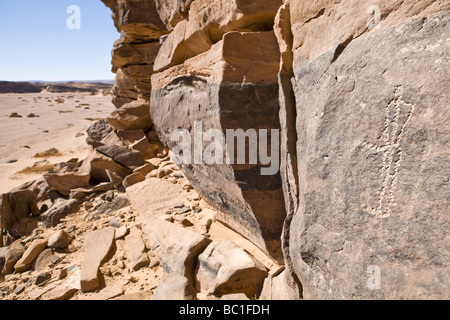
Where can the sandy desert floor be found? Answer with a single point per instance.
(43, 121)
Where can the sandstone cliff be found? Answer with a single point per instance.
(358, 209)
(360, 93)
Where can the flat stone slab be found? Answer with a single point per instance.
(153, 197)
(136, 249)
(97, 245)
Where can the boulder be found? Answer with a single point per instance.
(108, 293)
(43, 260)
(121, 232)
(176, 247)
(232, 86)
(101, 187)
(3, 254)
(59, 210)
(131, 116)
(174, 286)
(14, 253)
(64, 183)
(144, 147)
(128, 158)
(33, 251)
(224, 268)
(59, 240)
(133, 179)
(97, 245)
(98, 166)
(16, 209)
(234, 297)
(136, 250)
(61, 292)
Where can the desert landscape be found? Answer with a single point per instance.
(33, 123)
(352, 100)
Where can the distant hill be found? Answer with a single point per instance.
(18, 87)
(40, 86)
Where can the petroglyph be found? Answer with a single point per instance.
(398, 114)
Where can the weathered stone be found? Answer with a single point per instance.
(108, 293)
(145, 169)
(130, 136)
(152, 197)
(141, 295)
(101, 187)
(371, 147)
(19, 289)
(61, 292)
(24, 227)
(99, 130)
(59, 210)
(33, 251)
(176, 248)
(14, 253)
(207, 23)
(276, 287)
(136, 249)
(97, 246)
(42, 278)
(139, 20)
(234, 297)
(144, 147)
(3, 254)
(124, 89)
(126, 54)
(133, 179)
(132, 116)
(98, 166)
(225, 268)
(64, 183)
(129, 158)
(114, 223)
(119, 202)
(242, 67)
(121, 232)
(59, 240)
(174, 286)
(43, 260)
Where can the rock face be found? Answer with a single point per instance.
(359, 92)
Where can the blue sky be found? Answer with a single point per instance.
(37, 45)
